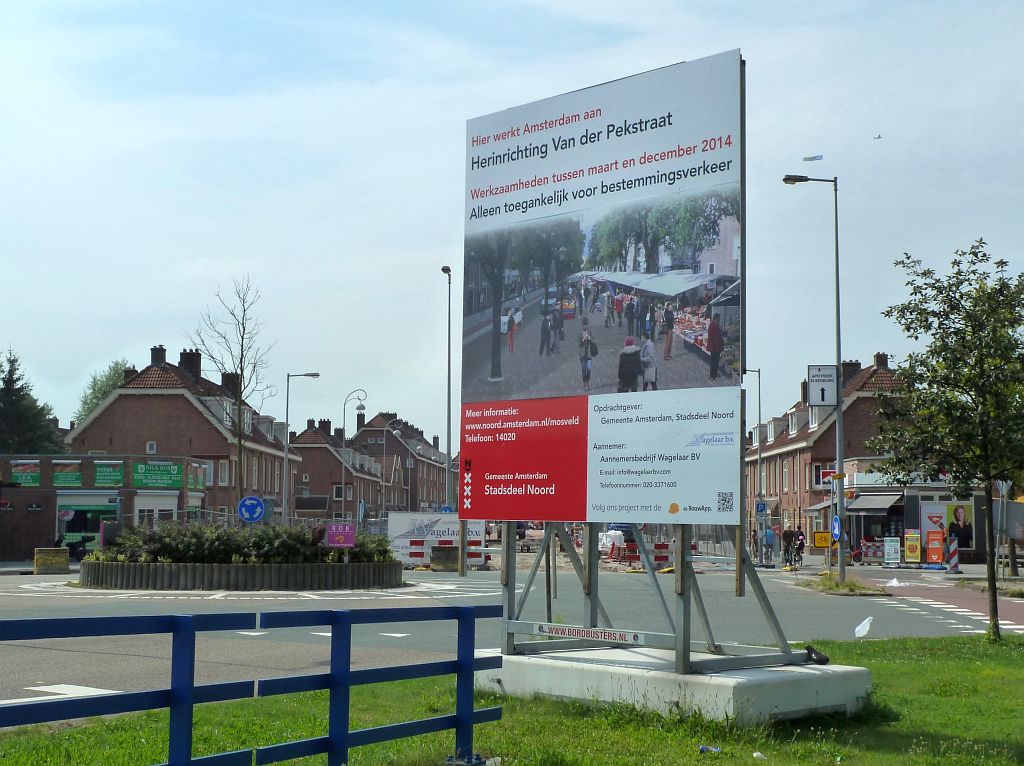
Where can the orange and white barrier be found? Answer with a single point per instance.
(954, 555)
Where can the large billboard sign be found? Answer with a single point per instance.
(602, 320)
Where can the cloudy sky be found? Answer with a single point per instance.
(153, 151)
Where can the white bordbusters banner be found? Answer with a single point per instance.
(412, 535)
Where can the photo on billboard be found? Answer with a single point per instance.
(603, 261)
(955, 519)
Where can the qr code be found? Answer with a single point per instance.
(725, 502)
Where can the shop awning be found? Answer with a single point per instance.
(873, 504)
(819, 506)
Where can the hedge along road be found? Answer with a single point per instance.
(135, 663)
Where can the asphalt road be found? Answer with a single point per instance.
(923, 604)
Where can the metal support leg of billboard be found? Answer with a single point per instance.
(688, 599)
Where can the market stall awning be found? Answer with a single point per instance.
(667, 283)
(873, 504)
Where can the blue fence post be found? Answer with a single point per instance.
(464, 684)
(340, 691)
(183, 662)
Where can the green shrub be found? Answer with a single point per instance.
(213, 544)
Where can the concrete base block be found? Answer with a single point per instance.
(52, 561)
(644, 678)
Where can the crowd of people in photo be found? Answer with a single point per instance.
(650, 328)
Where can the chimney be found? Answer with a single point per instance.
(54, 421)
(158, 355)
(291, 436)
(437, 442)
(310, 424)
(803, 391)
(129, 373)
(882, 361)
(71, 426)
(324, 426)
(229, 381)
(339, 434)
(360, 420)
(190, 361)
(849, 370)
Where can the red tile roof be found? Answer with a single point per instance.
(155, 376)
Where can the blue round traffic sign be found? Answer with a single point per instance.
(837, 531)
(251, 509)
(447, 509)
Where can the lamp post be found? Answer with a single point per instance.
(760, 493)
(839, 476)
(360, 395)
(384, 464)
(463, 525)
(288, 435)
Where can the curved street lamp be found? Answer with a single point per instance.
(360, 395)
(384, 461)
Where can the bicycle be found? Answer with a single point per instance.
(798, 557)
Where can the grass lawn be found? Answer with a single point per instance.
(936, 701)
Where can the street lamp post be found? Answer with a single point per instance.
(360, 395)
(760, 493)
(463, 525)
(288, 435)
(839, 477)
(384, 464)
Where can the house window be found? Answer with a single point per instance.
(277, 477)
(150, 448)
(305, 477)
(209, 473)
(792, 423)
(255, 472)
(348, 492)
(226, 417)
(339, 491)
(785, 475)
(224, 477)
(711, 268)
(247, 422)
(818, 468)
(812, 417)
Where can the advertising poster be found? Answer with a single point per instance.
(109, 474)
(67, 473)
(602, 302)
(156, 476)
(25, 472)
(955, 519)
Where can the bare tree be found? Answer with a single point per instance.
(229, 336)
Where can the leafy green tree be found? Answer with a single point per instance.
(612, 240)
(959, 408)
(24, 422)
(100, 385)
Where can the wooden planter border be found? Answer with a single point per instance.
(242, 577)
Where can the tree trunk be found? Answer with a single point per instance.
(496, 334)
(990, 566)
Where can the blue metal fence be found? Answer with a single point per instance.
(184, 694)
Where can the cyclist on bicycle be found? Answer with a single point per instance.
(788, 539)
(801, 540)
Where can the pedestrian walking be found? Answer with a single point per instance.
(587, 349)
(649, 359)
(715, 344)
(609, 309)
(630, 367)
(669, 324)
(630, 312)
(545, 335)
(557, 327)
(619, 300)
(510, 331)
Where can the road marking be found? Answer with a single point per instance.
(395, 635)
(252, 632)
(318, 633)
(59, 691)
(216, 596)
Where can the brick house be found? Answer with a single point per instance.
(798, 449)
(336, 481)
(411, 459)
(167, 409)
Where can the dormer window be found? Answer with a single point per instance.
(247, 421)
(771, 430)
(792, 422)
(812, 421)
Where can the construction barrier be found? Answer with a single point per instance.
(954, 555)
(872, 552)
